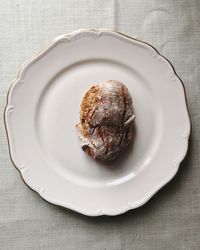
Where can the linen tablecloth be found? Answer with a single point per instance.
(171, 219)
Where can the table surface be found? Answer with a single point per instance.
(171, 219)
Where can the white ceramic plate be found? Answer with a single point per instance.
(43, 108)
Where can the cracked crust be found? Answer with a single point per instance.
(106, 120)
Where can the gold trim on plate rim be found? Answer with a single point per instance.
(35, 56)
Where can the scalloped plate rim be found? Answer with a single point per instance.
(99, 211)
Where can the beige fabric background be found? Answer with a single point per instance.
(171, 219)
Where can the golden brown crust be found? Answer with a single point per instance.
(106, 120)
(88, 105)
(89, 102)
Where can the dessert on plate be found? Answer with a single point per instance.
(106, 120)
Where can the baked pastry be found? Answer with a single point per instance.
(106, 120)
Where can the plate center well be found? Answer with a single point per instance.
(57, 114)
